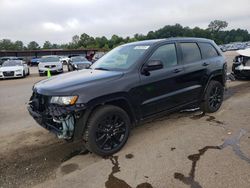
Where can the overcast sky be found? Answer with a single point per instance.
(58, 20)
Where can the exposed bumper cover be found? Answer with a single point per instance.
(54, 118)
(42, 121)
(241, 71)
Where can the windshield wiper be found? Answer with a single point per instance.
(101, 68)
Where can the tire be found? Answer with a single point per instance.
(107, 130)
(41, 74)
(24, 75)
(28, 72)
(213, 97)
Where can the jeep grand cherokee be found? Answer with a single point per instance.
(131, 83)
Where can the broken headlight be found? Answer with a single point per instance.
(67, 100)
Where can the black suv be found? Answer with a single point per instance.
(131, 83)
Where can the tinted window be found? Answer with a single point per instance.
(191, 52)
(207, 50)
(166, 54)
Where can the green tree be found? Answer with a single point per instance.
(217, 25)
(55, 46)
(86, 40)
(33, 45)
(6, 44)
(18, 45)
(47, 45)
(75, 39)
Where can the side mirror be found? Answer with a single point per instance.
(151, 66)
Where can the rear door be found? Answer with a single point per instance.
(195, 70)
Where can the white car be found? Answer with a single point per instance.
(64, 59)
(51, 63)
(14, 69)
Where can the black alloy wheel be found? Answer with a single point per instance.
(107, 130)
(110, 132)
(213, 97)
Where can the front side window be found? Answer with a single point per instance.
(190, 52)
(207, 50)
(166, 54)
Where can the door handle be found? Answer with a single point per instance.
(177, 70)
(205, 64)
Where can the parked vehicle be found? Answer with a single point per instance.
(34, 61)
(51, 63)
(64, 60)
(97, 56)
(241, 65)
(14, 69)
(3, 59)
(78, 63)
(130, 84)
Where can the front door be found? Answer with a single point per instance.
(161, 89)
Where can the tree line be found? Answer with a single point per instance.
(215, 31)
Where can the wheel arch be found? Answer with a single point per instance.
(119, 99)
(217, 76)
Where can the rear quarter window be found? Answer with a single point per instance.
(190, 52)
(208, 50)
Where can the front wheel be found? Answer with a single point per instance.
(107, 130)
(213, 97)
(24, 75)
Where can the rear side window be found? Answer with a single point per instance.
(166, 54)
(207, 50)
(191, 52)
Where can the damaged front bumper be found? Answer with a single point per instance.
(60, 120)
(241, 71)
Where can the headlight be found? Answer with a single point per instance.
(19, 70)
(75, 65)
(69, 100)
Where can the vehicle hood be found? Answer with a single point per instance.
(72, 82)
(81, 62)
(50, 63)
(245, 52)
(12, 68)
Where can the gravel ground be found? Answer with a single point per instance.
(184, 149)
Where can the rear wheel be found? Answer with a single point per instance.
(213, 97)
(107, 130)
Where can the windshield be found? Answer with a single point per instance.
(49, 59)
(12, 63)
(120, 58)
(78, 58)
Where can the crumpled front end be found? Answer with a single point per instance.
(241, 66)
(60, 120)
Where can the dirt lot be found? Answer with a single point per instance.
(185, 149)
